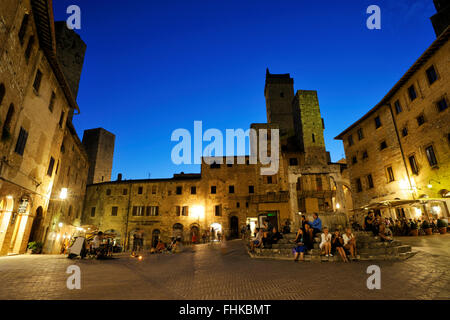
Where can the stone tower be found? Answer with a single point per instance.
(309, 126)
(279, 93)
(441, 19)
(70, 50)
(99, 145)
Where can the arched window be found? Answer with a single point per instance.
(2, 92)
(7, 126)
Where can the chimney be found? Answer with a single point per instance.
(119, 177)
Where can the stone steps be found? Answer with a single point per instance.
(369, 248)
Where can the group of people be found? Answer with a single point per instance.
(403, 226)
(380, 227)
(161, 247)
(343, 244)
(329, 244)
(265, 236)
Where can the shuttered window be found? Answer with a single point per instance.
(21, 141)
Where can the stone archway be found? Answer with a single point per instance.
(156, 233)
(6, 208)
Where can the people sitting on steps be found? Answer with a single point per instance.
(307, 238)
(350, 242)
(337, 245)
(325, 243)
(273, 237)
(369, 221)
(316, 225)
(257, 243)
(385, 233)
(300, 247)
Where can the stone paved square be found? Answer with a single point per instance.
(205, 272)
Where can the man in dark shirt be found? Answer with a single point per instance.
(368, 221)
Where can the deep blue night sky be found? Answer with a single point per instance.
(154, 66)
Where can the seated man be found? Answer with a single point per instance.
(258, 240)
(316, 225)
(369, 221)
(274, 236)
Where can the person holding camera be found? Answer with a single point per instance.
(337, 244)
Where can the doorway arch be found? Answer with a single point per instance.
(155, 237)
(36, 226)
(177, 230)
(234, 227)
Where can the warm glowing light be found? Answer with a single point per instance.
(403, 184)
(63, 194)
(430, 186)
(57, 237)
(60, 224)
(198, 212)
(216, 226)
(418, 212)
(140, 257)
(9, 197)
(338, 205)
(436, 209)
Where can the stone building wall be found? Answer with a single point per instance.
(409, 126)
(26, 172)
(64, 215)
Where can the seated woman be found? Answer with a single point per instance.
(160, 246)
(325, 243)
(307, 238)
(258, 240)
(337, 244)
(300, 246)
(350, 242)
(384, 233)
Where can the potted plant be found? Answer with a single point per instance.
(414, 230)
(427, 228)
(442, 226)
(35, 247)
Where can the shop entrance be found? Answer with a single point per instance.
(271, 217)
(234, 227)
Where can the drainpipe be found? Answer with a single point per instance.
(401, 148)
(125, 244)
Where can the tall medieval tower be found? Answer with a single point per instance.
(279, 93)
(99, 145)
(309, 126)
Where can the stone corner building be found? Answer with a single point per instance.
(227, 196)
(399, 151)
(40, 152)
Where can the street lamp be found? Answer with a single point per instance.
(63, 194)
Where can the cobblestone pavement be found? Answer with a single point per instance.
(205, 272)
